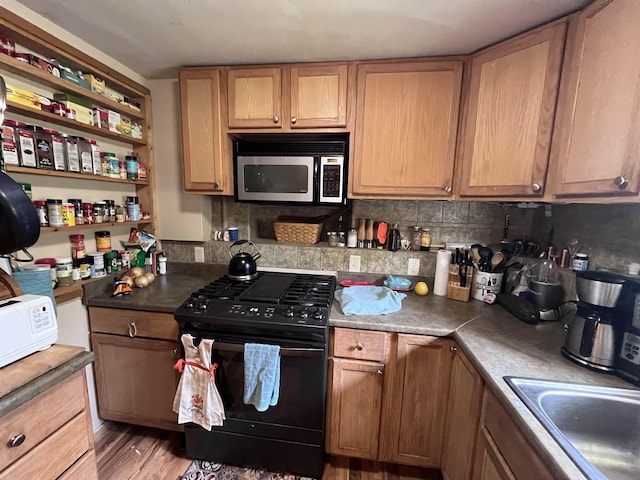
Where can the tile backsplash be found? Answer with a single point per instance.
(464, 222)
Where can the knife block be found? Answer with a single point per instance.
(454, 290)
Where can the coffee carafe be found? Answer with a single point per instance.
(596, 326)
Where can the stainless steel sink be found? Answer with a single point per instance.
(598, 427)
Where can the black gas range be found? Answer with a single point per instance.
(284, 309)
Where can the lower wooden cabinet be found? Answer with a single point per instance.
(135, 379)
(463, 417)
(502, 451)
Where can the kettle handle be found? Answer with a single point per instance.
(255, 256)
(591, 322)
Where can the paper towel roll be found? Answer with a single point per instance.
(443, 260)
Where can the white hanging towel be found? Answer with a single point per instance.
(197, 399)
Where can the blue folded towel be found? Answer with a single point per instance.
(261, 375)
(369, 300)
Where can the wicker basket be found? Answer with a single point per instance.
(308, 233)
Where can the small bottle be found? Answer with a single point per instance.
(425, 240)
(352, 238)
(580, 262)
(162, 265)
(41, 208)
(416, 237)
(342, 233)
(394, 239)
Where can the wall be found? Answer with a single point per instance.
(465, 222)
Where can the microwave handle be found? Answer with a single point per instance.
(285, 352)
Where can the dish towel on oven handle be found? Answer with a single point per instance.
(197, 399)
(261, 375)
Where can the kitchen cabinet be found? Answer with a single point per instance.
(502, 451)
(135, 353)
(42, 43)
(415, 400)
(596, 146)
(50, 436)
(355, 392)
(406, 127)
(463, 418)
(288, 97)
(207, 164)
(509, 116)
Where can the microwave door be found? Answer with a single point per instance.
(275, 179)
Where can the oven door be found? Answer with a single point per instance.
(299, 414)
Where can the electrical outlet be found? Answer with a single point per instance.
(198, 254)
(354, 263)
(413, 268)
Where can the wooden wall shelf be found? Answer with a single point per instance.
(76, 176)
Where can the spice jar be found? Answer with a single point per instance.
(122, 168)
(54, 210)
(416, 236)
(332, 239)
(133, 209)
(68, 215)
(77, 206)
(110, 211)
(41, 209)
(103, 241)
(105, 163)
(121, 213)
(99, 212)
(64, 267)
(87, 214)
(425, 240)
(77, 246)
(580, 262)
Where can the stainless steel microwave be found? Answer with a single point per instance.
(312, 173)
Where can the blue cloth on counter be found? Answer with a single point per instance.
(261, 375)
(35, 282)
(369, 300)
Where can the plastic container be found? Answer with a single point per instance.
(41, 209)
(103, 241)
(580, 262)
(162, 265)
(54, 211)
(64, 268)
(78, 249)
(131, 167)
(68, 214)
(133, 209)
(96, 264)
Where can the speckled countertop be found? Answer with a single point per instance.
(495, 341)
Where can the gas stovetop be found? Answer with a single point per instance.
(272, 302)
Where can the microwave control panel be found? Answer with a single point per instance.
(331, 179)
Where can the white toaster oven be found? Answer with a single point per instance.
(28, 324)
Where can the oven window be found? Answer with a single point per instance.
(302, 383)
(276, 178)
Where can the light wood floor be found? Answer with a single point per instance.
(128, 452)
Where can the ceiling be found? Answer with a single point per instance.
(155, 37)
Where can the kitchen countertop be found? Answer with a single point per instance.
(24, 379)
(495, 341)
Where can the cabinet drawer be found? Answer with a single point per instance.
(85, 468)
(56, 454)
(360, 344)
(40, 417)
(511, 443)
(133, 323)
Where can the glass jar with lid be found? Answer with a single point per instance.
(425, 240)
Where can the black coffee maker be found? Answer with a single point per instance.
(627, 363)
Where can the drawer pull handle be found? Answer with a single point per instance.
(453, 349)
(380, 372)
(294, 120)
(276, 119)
(621, 182)
(17, 440)
(359, 347)
(133, 331)
(536, 187)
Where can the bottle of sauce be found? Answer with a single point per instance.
(393, 243)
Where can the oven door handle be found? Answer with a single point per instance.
(285, 352)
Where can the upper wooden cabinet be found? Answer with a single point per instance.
(288, 97)
(406, 125)
(509, 117)
(596, 146)
(415, 400)
(205, 146)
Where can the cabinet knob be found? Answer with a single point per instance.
(380, 372)
(359, 347)
(447, 188)
(536, 187)
(216, 185)
(621, 182)
(133, 331)
(17, 440)
(276, 119)
(294, 119)
(453, 349)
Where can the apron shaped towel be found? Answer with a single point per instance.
(197, 399)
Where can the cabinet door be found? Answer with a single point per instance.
(509, 118)
(318, 96)
(406, 124)
(596, 146)
(463, 417)
(255, 97)
(355, 398)
(135, 380)
(415, 400)
(489, 463)
(206, 158)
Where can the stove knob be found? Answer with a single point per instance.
(318, 315)
(189, 304)
(202, 305)
(288, 313)
(304, 314)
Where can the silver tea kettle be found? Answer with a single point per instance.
(242, 265)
